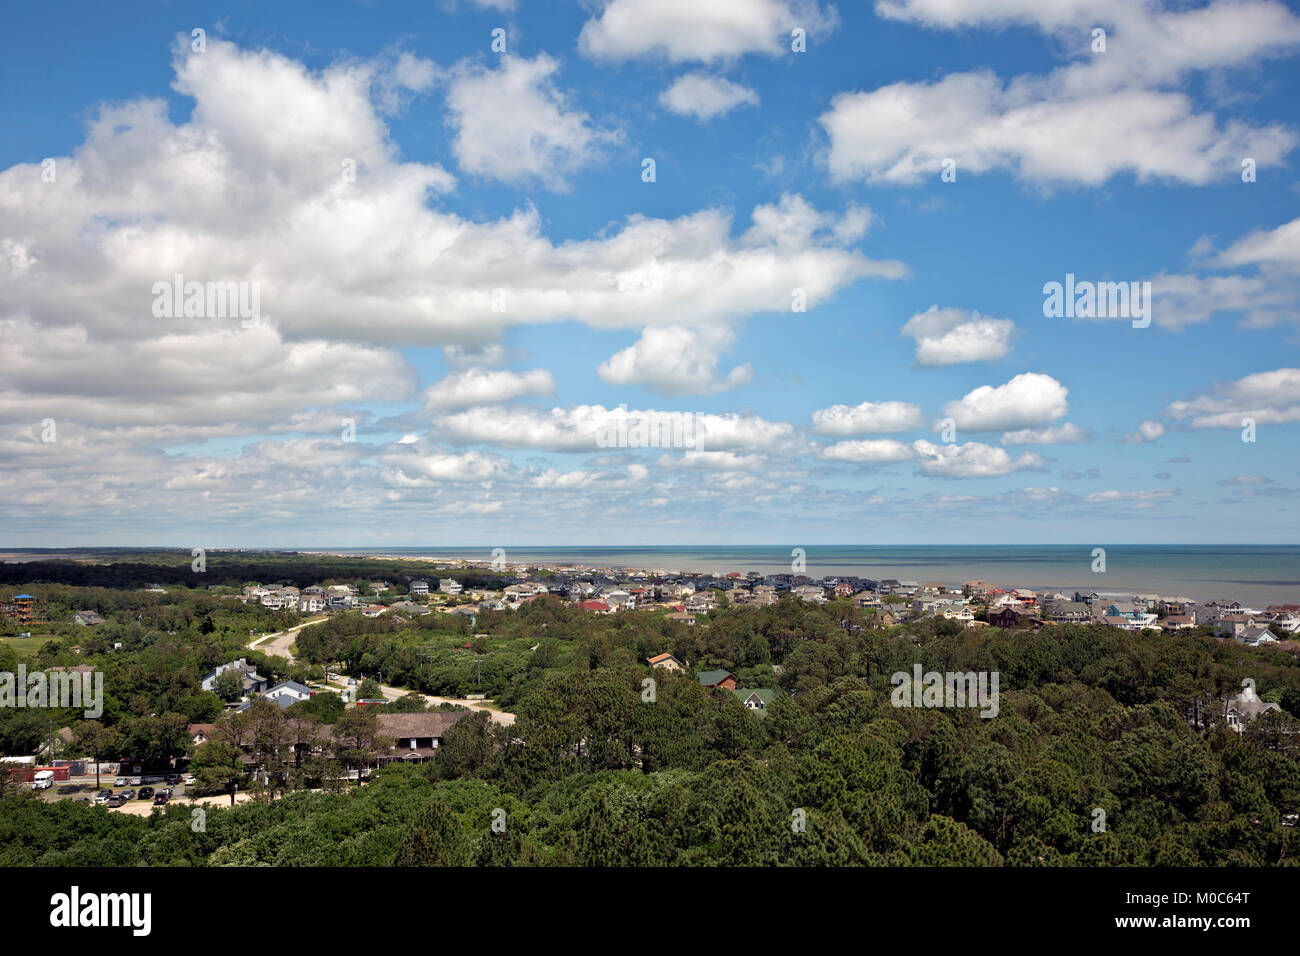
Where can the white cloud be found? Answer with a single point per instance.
(1246, 481)
(950, 336)
(685, 30)
(1268, 398)
(676, 361)
(1029, 400)
(868, 450)
(583, 427)
(971, 460)
(512, 124)
(476, 386)
(1149, 430)
(867, 418)
(1048, 129)
(704, 97)
(1064, 434)
(1149, 495)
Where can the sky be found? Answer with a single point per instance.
(435, 273)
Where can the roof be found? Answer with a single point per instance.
(763, 694)
(662, 657)
(291, 685)
(713, 678)
(428, 723)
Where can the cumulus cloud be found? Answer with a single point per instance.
(867, 418)
(1029, 400)
(683, 31)
(1064, 434)
(676, 361)
(1044, 128)
(512, 124)
(951, 336)
(704, 97)
(971, 460)
(868, 450)
(1267, 398)
(583, 428)
(1149, 430)
(477, 386)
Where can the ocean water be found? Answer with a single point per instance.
(1256, 575)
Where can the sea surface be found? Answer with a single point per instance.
(1256, 575)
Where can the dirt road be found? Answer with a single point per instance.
(280, 643)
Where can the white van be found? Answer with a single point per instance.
(43, 780)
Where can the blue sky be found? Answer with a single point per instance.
(130, 156)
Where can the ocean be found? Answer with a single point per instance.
(1256, 575)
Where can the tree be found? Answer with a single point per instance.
(229, 685)
(433, 837)
(94, 738)
(358, 740)
(369, 690)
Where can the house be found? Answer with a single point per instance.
(1066, 612)
(450, 586)
(718, 678)
(289, 689)
(1178, 622)
(866, 599)
(409, 607)
(200, 733)
(892, 614)
(1011, 616)
(755, 699)
(683, 617)
(667, 662)
(87, 618)
(311, 603)
(1244, 708)
(597, 607)
(419, 587)
(702, 601)
(253, 683)
(373, 610)
(379, 587)
(23, 609)
(417, 736)
(1253, 636)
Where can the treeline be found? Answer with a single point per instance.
(229, 569)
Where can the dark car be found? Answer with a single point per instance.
(173, 779)
(146, 793)
(115, 802)
(162, 797)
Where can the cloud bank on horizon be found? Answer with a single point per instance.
(643, 271)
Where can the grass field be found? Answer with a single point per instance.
(26, 646)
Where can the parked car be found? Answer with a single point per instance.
(127, 794)
(189, 780)
(173, 779)
(120, 782)
(43, 780)
(115, 802)
(135, 781)
(146, 793)
(162, 796)
(103, 796)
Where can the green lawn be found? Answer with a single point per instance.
(27, 646)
